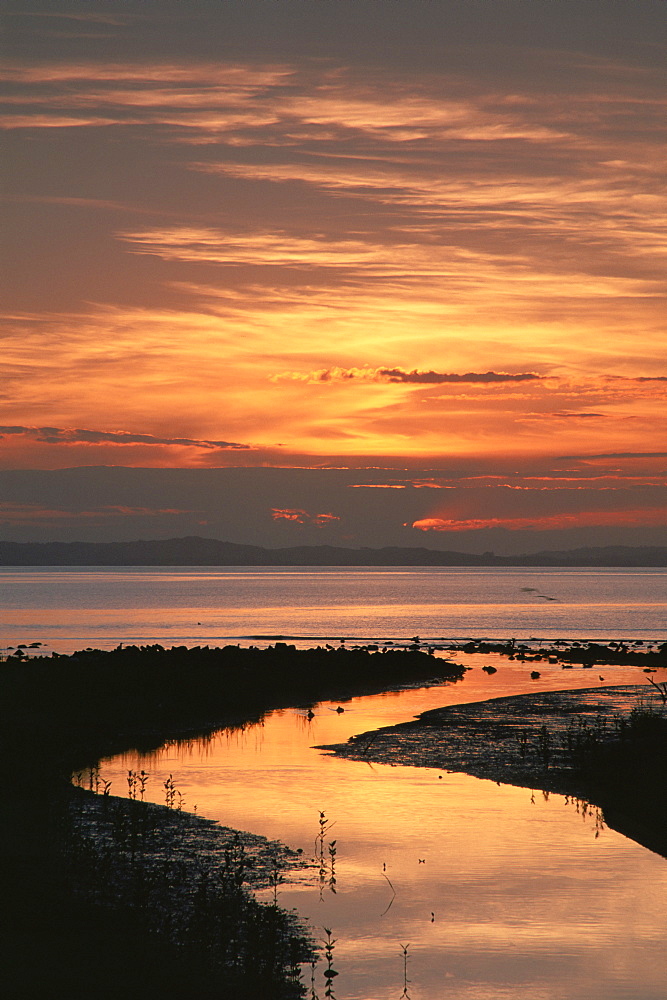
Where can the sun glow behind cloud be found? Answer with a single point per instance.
(628, 518)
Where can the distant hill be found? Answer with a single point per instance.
(196, 551)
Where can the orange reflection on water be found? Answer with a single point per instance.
(500, 892)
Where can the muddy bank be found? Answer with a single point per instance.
(145, 901)
(96, 702)
(187, 883)
(168, 840)
(60, 714)
(606, 745)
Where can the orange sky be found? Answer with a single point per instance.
(351, 235)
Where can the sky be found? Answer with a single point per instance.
(335, 272)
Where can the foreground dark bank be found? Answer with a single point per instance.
(97, 702)
(60, 714)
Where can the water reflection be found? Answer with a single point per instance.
(429, 884)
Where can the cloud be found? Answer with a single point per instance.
(415, 256)
(302, 517)
(272, 249)
(95, 18)
(583, 519)
(615, 454)
(31, 513)
(70, 436)
(399, 375)
(378, 486)
(565, 415)
(235, 78)
(484, 214)
(417, 484)
(75, 202)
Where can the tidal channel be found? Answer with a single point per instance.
(434, 885)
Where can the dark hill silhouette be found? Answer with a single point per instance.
(197, 551)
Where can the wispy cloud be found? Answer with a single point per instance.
(31, 513)
(77, 436)
(618, 454)
(566, 415)
(252, 230)
(95, 18)
(296, 516)
(583, 519)
(398, 375)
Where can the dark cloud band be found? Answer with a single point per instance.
(60, 435)
(400, 375)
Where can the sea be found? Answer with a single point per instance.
(69, 608)
(439, 885)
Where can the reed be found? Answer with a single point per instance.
(326, 866)
(142, 778)
(329, 973)
(170, 791)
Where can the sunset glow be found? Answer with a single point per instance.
(264, 236)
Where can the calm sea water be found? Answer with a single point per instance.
(71, 608)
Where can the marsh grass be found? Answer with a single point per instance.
(332, 866)
(169, 786)
(325, 858)
(188, 898)
(572, 742)
(330, 972)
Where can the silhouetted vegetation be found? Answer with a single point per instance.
(59, 714)
(184, 884)
(625, 773)
(638, 652)
(94, 702)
